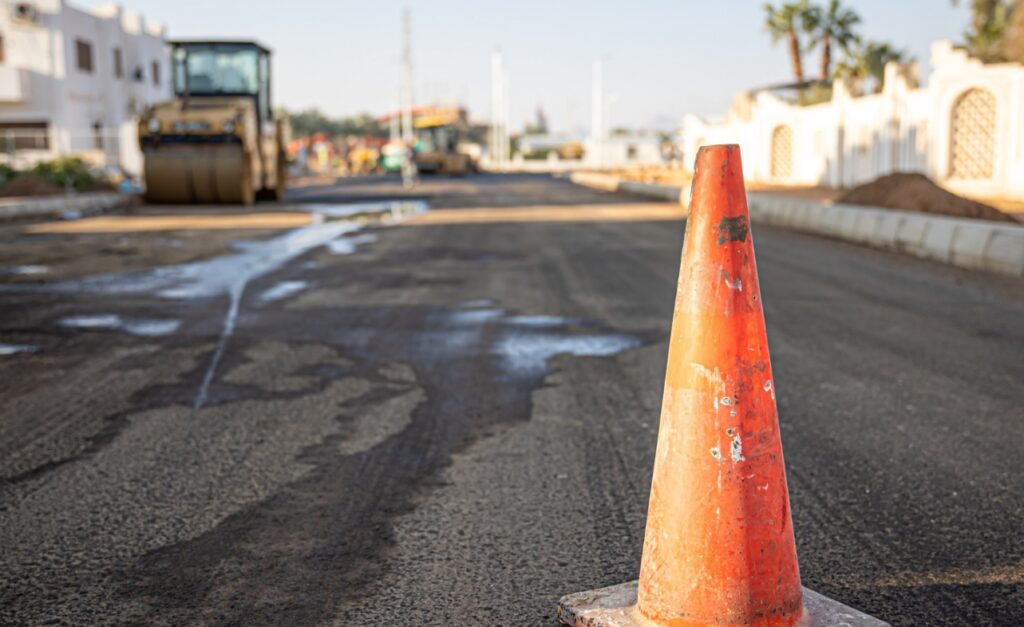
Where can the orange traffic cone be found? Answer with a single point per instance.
(718, 549)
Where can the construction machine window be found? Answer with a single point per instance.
(209, 70)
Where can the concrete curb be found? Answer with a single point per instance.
(55, 206)
(975, 244)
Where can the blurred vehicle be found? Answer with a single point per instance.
(438, 135)
(571, 150)
(391, 156)
(218, 140)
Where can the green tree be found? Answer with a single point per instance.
(995, 29)
(868, 60)
(788, 21)
(312, 121)
(1013, 38)
(832, 25)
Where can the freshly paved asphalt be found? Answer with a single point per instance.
(394, 443)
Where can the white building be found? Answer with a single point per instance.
(965, 130)
(72, 81)
(618, 150)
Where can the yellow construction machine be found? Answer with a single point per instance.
(438, 134)
(218, 140)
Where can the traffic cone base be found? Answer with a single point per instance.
(615, 606)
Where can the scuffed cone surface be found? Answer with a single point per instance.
(719, 546)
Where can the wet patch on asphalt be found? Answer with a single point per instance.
(442, 378)
(230, 274)
(309, 547)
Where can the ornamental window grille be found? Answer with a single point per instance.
(973, 136)
(782, 152)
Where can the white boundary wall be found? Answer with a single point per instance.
(851, 140)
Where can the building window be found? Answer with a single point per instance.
(782, 152)
(97, 135)
(83, 55)
(118, 63)
(156, 72)
(24, 136)
(973, 136)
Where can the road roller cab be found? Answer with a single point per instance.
(218, 140)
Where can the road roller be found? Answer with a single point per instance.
(217, 141)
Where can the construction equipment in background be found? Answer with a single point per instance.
(218, 140)
(437, 142)
(444, 142)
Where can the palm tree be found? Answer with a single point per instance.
(833, 25)
(869, 59)
(1013, 38)
(992, 28)
(786, 22)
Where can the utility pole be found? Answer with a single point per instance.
(497, 108)
(406, 95)
(506, 147)
(408, 137)
(394, 130)
(597, 112)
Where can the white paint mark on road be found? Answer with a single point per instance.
(12, 349)
(94, 321)
(146, 327)
(539, 321)
(526, 353)
(389, 210)
(26, 270)
(475, 304)
(152, 327)
(473, 316)
(348, 245)
(282, 290)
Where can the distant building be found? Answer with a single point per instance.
(621, 149)
(72, 81)
(531, 144)
(964, 129)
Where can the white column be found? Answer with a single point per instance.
(407, 131)
(497, 105)
(597, 113)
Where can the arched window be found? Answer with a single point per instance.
(782, 152)
(972, 136)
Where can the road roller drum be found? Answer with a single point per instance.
(205, 175)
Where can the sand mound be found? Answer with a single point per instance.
(916, 192)
(29, 184)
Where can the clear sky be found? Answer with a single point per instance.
(662, 58)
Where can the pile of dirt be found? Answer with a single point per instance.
(30, 184)
(97, 185)
(916, 192)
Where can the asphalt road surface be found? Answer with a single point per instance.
(455, 424)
